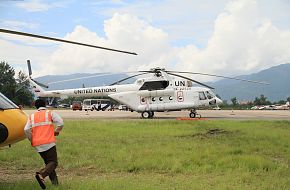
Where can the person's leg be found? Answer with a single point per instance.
(50, 159)
(53, 178)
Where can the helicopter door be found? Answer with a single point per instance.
(202, 99)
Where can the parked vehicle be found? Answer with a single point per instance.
(77, 105)
(63, 106)
(123, 107)
(216, 108)
(96, 104)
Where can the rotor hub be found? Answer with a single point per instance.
(157, 71)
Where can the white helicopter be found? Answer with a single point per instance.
(162, 91)
(159, 92)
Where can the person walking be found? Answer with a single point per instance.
(41, 132)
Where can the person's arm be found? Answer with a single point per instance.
(27, 129)
(58, 121)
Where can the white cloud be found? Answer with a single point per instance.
(186, 20)
(38, 6)
(17, 25)
(16, 55)
(243, 41)
(123, 32)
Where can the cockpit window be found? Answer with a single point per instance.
(202, 96)
(209, 96)
(5, 103)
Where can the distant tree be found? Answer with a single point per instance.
(257, 101)
(16, 89)
(23, 94)
(7, 81)
(288, 99)
(281, 102)
(234, 101)
(262, 100)
(225, 102)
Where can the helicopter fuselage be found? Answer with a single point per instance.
(145, 95)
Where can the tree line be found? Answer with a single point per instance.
(15, 86)
(258, 101)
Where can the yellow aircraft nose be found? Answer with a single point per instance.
(12, 123)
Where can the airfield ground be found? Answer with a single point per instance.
(208, 114)
(118, 150)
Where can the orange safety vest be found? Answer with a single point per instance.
(42, 128)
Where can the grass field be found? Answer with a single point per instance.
(159, 154)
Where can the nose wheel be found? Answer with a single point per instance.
(193, 114)
(147, 114)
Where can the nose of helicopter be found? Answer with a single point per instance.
(218, 101)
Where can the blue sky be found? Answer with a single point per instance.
(228, 37)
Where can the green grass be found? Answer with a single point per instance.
(159, 154)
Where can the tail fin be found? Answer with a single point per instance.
(29, 68)
(37, 89)
(287, 104)
(36, 86)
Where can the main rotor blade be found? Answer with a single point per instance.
(68, 80)
(92, 76)
(61, 40)
(190, 80)
(212, 75)
(127, 78)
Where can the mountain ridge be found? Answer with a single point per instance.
(278, 89)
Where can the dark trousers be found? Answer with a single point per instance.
(50, 159)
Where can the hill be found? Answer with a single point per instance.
(277, 76)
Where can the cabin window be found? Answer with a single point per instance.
(202, 96)
(160, 99)
(153, 99)
(154, 85)
(170, 98)
(143, 100)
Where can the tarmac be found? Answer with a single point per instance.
(180, 115)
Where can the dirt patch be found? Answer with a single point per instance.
(208, 134)
(9, 175)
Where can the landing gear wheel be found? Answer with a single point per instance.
(145, 114)
(151, 114)
(192, 114)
